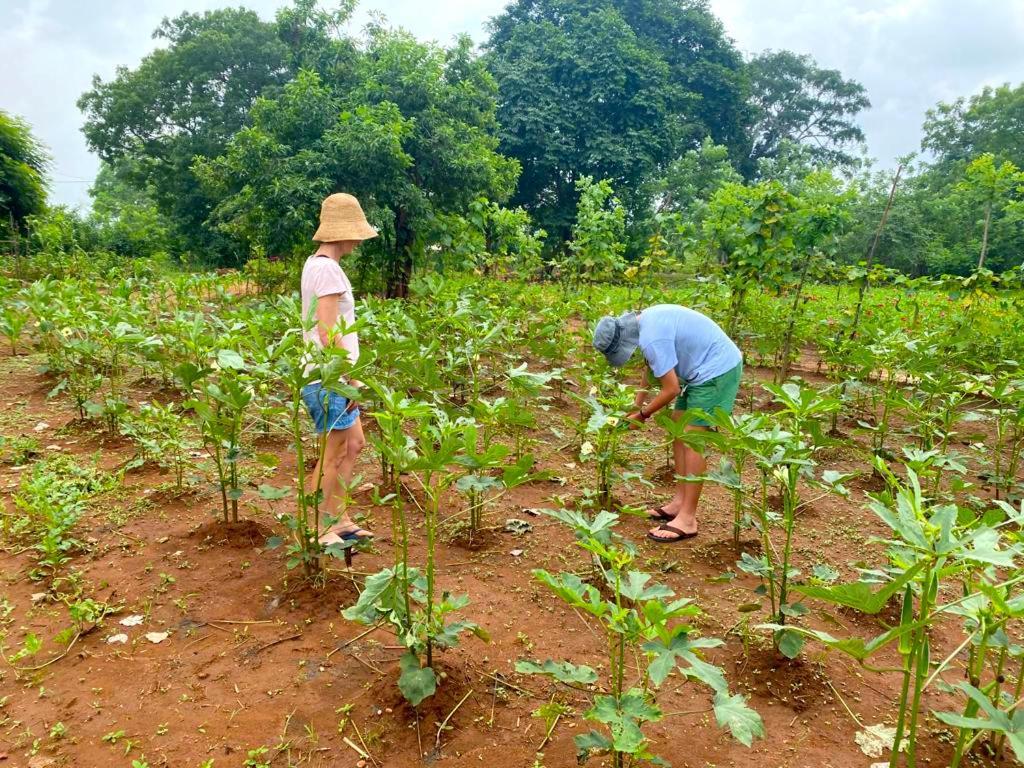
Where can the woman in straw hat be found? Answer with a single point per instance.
(342, 227)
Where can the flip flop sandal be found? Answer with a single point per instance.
(661, 514)
(354, 535)
(680, 535)
(332, 540)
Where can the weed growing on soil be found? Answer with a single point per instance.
(50, 501)
(161, 436)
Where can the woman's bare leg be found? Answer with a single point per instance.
(328, 463)
(345, 462)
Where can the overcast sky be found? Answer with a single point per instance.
(909, 54)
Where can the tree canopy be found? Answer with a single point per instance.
(412, 136)
(796, 101)
(185, 100)
(222, 143)
(23, 166)
(610, 89)
(989, 121)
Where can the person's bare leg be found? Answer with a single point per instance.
(689, 463)
(354, 442)
(329, 462)
(675, 504)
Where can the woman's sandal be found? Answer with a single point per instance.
(351, 533)
(660, 513)
(680, 535)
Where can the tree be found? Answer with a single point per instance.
(185, 100)
(23, 166)
(412, 134)
(126, 218)
(692, 179)
(797, 101)
(990, 186)
(596, 248)
(991, 121)
(610, 89)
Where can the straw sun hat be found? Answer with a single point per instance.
(341, 218)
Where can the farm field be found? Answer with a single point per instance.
(653, 394)
(164, 602)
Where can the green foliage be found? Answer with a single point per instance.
(126, 218)
(23, 166)
(185, 100)
(987, 122)
(640, 620)
(692, 179)
(50, 501)
(611, 90)
(411, 134)
(160, 433)
(796, 101)
(595, 252)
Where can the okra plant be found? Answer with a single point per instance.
(297, 364)
(222, 395)
(932, 546)
(406, 597)
(640, 620)
(605, 426)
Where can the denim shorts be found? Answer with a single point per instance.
(327, 409)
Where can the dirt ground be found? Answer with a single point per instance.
(256, 657)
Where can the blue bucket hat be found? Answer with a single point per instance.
(617, 337)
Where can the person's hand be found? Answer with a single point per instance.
(635, 420)
(353, 402)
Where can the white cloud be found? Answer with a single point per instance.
(909, 53)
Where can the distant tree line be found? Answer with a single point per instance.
(221, 144)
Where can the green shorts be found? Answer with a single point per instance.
(717, 393)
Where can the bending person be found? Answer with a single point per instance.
(698, 366)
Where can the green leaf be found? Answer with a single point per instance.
(758, 566)
(228, 358)
(562, 671)
(416, 683)
(743, 723)
(624, 718)
(824, 573)
(32, 644)
(852, 646)
(709, 674)
(590, 744)
(858, 595)
(270, 493)
(634, 587)
(789, 643)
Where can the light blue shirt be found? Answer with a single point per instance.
(676, 337)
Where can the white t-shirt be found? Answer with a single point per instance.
(678, 337)
(323, 276)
